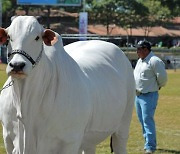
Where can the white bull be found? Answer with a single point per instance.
(68, 102)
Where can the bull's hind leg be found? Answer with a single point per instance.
(119, 144)
(120, 138)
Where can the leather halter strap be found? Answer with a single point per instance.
(34, 62)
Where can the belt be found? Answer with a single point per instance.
(138, 93)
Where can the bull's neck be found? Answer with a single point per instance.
(30, 91)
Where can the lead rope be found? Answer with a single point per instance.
(7, 86)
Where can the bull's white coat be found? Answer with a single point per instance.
(10, 124)
(71, 100)
(8, 119)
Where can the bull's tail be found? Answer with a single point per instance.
(111, 146)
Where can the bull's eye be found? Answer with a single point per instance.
(37, 38)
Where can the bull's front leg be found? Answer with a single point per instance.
(72, 143)
(57, 145)
(91, 150)
(71, 148)
(7, 141)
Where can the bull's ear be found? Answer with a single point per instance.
(49, 37)
(3, 36)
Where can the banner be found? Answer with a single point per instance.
(50, 2)
(83, 24)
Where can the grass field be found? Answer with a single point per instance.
(167, 121)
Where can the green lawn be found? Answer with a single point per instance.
(167, 121)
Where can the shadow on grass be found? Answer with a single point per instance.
(168, 151)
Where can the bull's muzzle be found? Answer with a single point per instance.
(17, 66)
(17, 70)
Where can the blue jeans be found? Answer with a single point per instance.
(145, 108)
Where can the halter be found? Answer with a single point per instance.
(34, 62)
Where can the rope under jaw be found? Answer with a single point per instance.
(7, 86)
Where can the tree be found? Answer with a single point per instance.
(120, 12)
(103, 12)
(157, 15)
(173, 6)
(6, 5)
(130, 17)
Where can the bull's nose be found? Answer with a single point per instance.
(17, 66)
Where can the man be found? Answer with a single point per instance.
(150, 75)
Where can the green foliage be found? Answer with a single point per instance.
(157, 12)
(173, 5)
(131, 13)
(124, 13)
(6, 5)
(120, 12)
